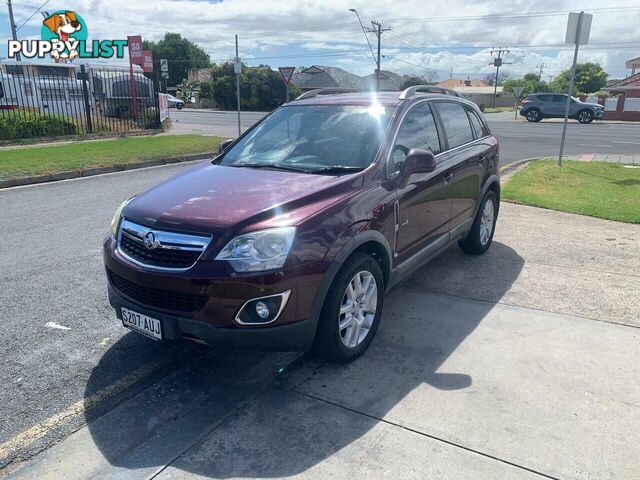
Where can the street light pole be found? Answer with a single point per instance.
(14, 30)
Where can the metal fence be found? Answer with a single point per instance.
(39, 100)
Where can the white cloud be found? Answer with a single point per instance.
(420, 38)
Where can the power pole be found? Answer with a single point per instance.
(14, 30)
(497, 62)
(378, 30)
(541, 67)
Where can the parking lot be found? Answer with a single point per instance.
(522, 363)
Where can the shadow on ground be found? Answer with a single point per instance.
(250, 414)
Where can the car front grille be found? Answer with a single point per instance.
(154, 297)
(159, 249)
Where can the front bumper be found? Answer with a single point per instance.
(224, 292)
(599, 113)
(297, 336)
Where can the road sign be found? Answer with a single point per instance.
(572, 28)
(517, 90)
(578, 28)
(237, 66)
(164, 68)
(286, 73)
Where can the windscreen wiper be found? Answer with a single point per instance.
(337, 169)
(270, 165)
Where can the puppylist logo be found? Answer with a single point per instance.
(64, 36)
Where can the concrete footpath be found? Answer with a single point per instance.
(519, 364)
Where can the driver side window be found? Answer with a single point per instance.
(418, 130)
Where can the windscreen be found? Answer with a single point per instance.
(313, 138)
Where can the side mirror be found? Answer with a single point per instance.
(224, 144)
(418, 161)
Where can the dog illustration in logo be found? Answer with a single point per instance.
(63, 25)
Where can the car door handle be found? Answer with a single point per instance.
(482, 159)
(447, 180)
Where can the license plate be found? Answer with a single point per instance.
(141, 323)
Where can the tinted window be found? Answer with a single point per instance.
(559, 98)
(418, 130)
(476, 124)
(456, 123)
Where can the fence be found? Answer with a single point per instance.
(38, 100)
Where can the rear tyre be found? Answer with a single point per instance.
(351, 311)
(179, 107)
(585, 116)
(480, 237)
(534, 115)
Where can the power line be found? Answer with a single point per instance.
(39, 8)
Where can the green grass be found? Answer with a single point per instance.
(597, 189)
(38, 160)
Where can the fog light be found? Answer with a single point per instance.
(262, 310)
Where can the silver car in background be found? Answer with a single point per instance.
(552, 105)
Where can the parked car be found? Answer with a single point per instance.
(552, 105)
(175, 102)
(289, 238)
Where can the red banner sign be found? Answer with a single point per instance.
(136, 54)
(147, 62)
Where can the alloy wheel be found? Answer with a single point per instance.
(358, 309)
(486, 221)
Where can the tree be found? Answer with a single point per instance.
(590, 77)
(411, 81)
(261, 88)
(531, 83)
(490, 78)
(182, 54)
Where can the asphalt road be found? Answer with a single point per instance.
(518, 138)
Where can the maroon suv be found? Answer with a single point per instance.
(289, 238)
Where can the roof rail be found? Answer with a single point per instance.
(414, 90)
(328, 91)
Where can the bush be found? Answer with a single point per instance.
(18, 126)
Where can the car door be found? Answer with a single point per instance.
(423, 208)
(557, 105)
(468, 157)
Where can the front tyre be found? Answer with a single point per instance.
(585, 116)
(351, 311)
(480, 237)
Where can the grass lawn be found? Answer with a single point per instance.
(597, 189)
(38, 160)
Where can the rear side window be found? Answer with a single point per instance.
(476, 124)
(456, 123)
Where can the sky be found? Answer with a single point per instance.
(446, 38)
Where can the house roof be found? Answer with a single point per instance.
(388, 80)
(320, 76)
(453, 83)
(629, 83)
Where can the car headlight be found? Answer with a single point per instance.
(257, 251)
(115, 221)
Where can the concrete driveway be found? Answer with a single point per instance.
(522, 363)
